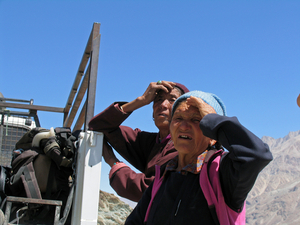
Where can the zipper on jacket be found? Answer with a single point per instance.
(177, 207)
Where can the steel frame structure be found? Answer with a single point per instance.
(90, 143)
(85, 83)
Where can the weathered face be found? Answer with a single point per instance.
(186, 133)
(162, 107)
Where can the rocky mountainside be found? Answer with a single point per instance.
(274, 199)
(112, 211)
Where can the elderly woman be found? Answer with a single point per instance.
(197, 128)
(141, 149)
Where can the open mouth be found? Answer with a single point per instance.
(185, 137)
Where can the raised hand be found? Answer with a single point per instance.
(203, 107)
(148, 95)
(154, 87)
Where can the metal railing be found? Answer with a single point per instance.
(84, 85)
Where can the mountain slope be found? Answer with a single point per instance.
(275, 197)
(112, 211)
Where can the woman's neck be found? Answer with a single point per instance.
(185, 159)
(182, 164)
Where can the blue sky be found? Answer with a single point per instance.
(246, 52)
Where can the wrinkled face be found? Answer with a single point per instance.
(185, 131)
(162, 107)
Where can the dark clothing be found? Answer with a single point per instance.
(138, 147)
(180, 199)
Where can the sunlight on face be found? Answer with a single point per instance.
(185, 131)
(162, 107)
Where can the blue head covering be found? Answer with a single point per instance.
(211, 99)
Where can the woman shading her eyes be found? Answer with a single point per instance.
(199, 128)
